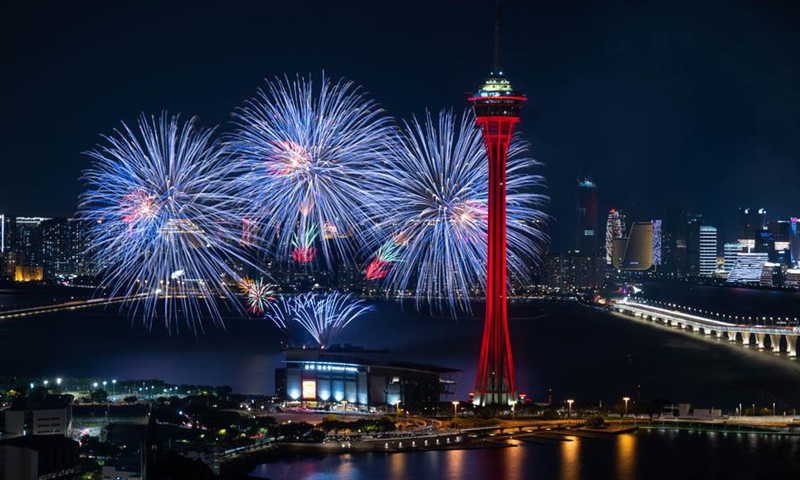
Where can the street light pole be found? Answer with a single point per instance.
(455, 409)
(626, 399)
(569, 403)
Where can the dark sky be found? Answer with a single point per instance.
(664, 103)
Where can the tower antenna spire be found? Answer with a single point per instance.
(496, 67)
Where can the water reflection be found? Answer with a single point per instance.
(617, 457)
(513, 462)
(397, 465)
(626, 456)
(570, 460)
(455, 463)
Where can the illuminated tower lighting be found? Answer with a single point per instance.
(497, 109)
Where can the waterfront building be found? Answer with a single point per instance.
(26, 273)
(587, 232)
(771, 275)
(748, 268)
(792, 278)
(635, 253)
(708, 251)
(674, 242)
(615, 229)
(573, 270)
(693, 244)
(361, 377)
(730, 252)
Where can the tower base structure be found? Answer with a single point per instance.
(496, 116)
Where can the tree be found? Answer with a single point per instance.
(99, 396)
(595, 421)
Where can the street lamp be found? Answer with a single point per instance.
(58, 381)
(773, 409)
(455, 409)
(626, 400)
(569, 404)
(513, 404)
(397, 406)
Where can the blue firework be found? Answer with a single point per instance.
(162, 225)
(321, 316)
(437, 191)
(306, 154)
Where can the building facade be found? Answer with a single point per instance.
(708, 251)
(359, 377)
(587, 216)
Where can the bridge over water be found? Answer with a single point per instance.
(778, 338)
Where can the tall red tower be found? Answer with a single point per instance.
(497, 109)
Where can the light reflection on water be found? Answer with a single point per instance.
(659, 455)
(626, 457)
(569, 461)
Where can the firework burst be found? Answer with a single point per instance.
(305, 154)
(322, 316)
(381, 264)
(158, 206)
(439, 182)
(258, 294)
(303, 250)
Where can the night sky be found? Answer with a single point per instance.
(695, 103)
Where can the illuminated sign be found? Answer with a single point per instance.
(309, 390)
(781, 245)
(330, 367)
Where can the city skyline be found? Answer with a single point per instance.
(631, 110)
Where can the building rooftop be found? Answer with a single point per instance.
(48, 402)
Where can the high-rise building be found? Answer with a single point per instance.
(615, 228)
(657, 243)
(708, 251)
(573, 270)
(634, 253)
(751, 221)
(674, 233)
(27, 241)
(794, 242)
(587, 233)
(781, 253)
(693, 224)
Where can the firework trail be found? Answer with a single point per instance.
(257, 293)
(305, 154)
(322, 316)
(158, 203)
(438, 178)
